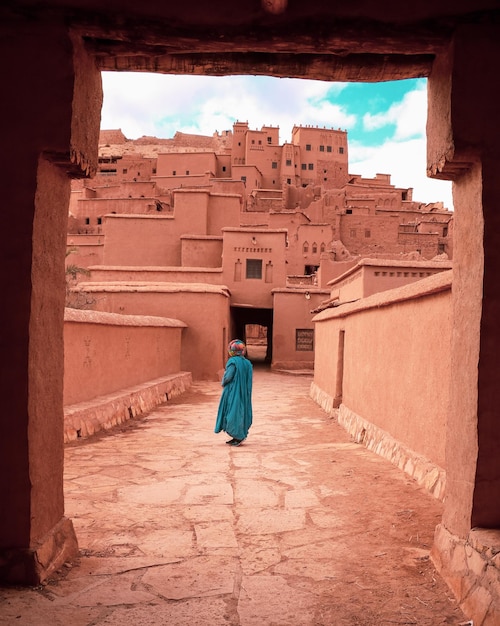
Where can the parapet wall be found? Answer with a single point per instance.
(106, 352)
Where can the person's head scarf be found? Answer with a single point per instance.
(236, 348)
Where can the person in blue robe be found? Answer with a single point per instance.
(234, 415)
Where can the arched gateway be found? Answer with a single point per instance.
(50, 125)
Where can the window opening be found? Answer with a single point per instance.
(254, 269)
(304, 339)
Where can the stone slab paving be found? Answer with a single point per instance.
(298, 526)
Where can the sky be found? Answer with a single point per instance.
(385, 122)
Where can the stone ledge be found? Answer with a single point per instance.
(105, 412)
(422, 470)
(471, 569)
(427, 474)
(325, 400)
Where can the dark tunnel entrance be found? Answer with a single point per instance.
(255, 327)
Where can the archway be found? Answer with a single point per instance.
(52, 116)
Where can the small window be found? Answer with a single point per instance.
(322, 247)
(367, 233)
(253, 140)
(314, 248)
(274, 165)
(187, 172)
(304, 339)
(308, 147)
(328, 148)
(87, 220)
(341, 150)
(174, 173)
(154, 170)
(310, 166)
(99, 220)
(223, 168)
(260, 142)
(254, 268)
(303, 166)
(289, 181)
(244, 179)
(239, 143)
(322, 148)
(269, 140)
(305, 248)
(289, 162)
(125, 171)
(348, 211)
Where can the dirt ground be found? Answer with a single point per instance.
(298, 526)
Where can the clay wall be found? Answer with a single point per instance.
(104, 273)
(105, 352)
(323, 156)
(330, 269)
(126, 234)
(289, 173)
(253, 264)
(223, 165)
(306, 248)
(223, 210)
(186, 164)
(249, 174)
(86, 254)
(91, 212)
(265, 157)
(293, 328)
(407, 333)
(291, 221)
(125, 189)
(370, 276)
(426, 244)
(203, 348)
(201, 251)
(362, 234)
(191, 212)
(262, 204)
(166, 183)
(134, 167)
(230, 186)
(239, 143)
(257, 219)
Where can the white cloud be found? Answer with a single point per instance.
(406, 162)
(148, 104)
(408, 116)
(159, 105)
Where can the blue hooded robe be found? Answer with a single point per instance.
(235, 407)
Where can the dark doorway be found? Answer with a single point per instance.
(259, 325)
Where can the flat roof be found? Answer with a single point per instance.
(442, 265)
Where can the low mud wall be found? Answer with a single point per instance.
(384, 363)
(105, 352)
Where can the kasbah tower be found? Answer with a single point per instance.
(238, 235)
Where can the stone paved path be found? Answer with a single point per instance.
(298, 526)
